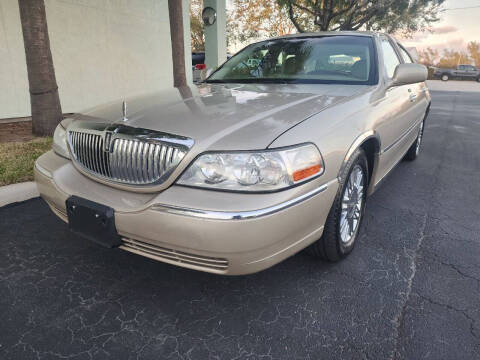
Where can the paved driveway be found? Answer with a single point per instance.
(410, 290)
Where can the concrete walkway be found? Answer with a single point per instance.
(17, 193)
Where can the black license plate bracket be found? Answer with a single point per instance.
(93, 221)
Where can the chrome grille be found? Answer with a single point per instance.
(125, 159)
(87, 149)
(171, 255)
(142, 163)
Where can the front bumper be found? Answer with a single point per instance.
(218, 232)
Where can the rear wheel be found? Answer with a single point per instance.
(345, 217)
(478, 79)
(414, 150)
(445, 77)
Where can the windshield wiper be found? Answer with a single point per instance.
(214, 81)
(254, 81)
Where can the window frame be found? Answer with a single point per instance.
(395, 50)
(402, 48)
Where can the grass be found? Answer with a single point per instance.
(17, 159)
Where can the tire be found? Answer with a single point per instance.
(478, 79)
(334, 245)
(414, 150)
(445, 77)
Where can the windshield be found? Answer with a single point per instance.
(324, 60)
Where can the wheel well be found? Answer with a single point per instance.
(371, 147)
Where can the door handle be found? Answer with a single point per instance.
(413, 97)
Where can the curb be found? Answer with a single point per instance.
(18, 192)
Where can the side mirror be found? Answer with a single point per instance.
(409, 74)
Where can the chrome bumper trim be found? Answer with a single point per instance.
(237, 215)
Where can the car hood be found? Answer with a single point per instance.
(225, 116)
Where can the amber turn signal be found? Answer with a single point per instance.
(305, 173)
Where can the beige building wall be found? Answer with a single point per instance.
(102, 50)
(14, 97)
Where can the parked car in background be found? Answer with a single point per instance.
(263, 159)
(198, 58)
(198, 65)
(462, 72)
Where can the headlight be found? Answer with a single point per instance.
(60, 141)
(258, 171)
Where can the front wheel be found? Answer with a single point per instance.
(343, 222)
(445, 77)
(478, 79)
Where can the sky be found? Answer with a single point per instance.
(456, 28)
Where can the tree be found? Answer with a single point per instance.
(405, 16)
(178, 46)
(474, 51)
(196, 25)
(428, 57)
(259, 18)
(452, 58)
(246, 20)
(44, 98)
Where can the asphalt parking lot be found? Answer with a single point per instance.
(410, 290)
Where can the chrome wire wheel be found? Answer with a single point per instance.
(352, 203)
(419, 139)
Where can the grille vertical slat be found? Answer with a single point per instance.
(81, 147)
(150, 162)
(99, 149)
(168, 157)
(85, 148)
(124, 160)
(156, 157)
(95, 141)
(139, 161)
(89, 150)
(134, 162)
(129, 161)
(122, 165)
(114, 159)
(161, 163)
(146, 147)
(129, 155)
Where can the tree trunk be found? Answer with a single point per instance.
(178, 48)
(44, 99)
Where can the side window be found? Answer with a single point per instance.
(406, 57)
(390, 57)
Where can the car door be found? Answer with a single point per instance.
(471, 71)
(399, 115)
(417, 92)
(460, 72)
